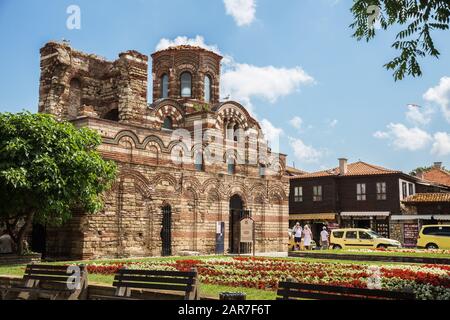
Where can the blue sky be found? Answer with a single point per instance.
(292, 62)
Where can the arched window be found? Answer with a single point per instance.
(231, 166)
(236, 133)
(208, 83)
(186, 85)
(164, 86)
(199, 161)
(168, 123)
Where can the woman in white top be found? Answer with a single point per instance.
(307, 237)
(297, 231)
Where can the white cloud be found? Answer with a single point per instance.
(243, 81)
(402, 137)
(333, 123)
(303, 152)
(441, 145)
(381, 135)
(441, 96)
(272, 134)
(418, 117)
(243, 11)
(296, 122)
(198, 41)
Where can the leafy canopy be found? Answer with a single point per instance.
(49, 168)
(420, 18)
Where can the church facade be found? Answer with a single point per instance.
(190, 166)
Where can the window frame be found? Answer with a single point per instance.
(381, 191)
(298, 194)
(317, 193)
(361, 192)
(171, 123)
(231, 166)
(182, 84)
(207, 88)
(163, 87)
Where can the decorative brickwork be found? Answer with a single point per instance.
(110, 97)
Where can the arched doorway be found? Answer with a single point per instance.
(237, 212)
(166, 231)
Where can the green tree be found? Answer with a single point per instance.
(47, 169)
(420, 18)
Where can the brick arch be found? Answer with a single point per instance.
(212, 183)
(277, 192)
(193, 183)
(154, 141)
(141, 182)
(157, 179)
(235, 111)
(169, 110)
(126, 133)
(240, 190)
(233, 154)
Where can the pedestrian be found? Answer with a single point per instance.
(324, 236)
(307, 237)
(297, 231)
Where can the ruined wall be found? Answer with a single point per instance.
(75, 84)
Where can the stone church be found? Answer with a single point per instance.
(190, 165)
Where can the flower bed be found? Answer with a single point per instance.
(426, 281)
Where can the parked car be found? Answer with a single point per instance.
(434, 237)
(360, 239)
(292, 242)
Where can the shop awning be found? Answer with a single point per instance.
(421, 217)
(366, 214)
(313, 216)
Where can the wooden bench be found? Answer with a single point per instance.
(153, 285)
(303, 291)
(51, 282)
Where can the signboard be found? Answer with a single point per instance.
(220, 238)
(382, 229)
(410, 233)
(247, 230)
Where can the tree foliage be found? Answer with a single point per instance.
(48, 168)
(419, 18)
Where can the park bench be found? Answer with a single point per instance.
(302, 291)
(153, 285)
(50, 282)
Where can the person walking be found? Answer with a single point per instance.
(297, 231)
(324, 239)
(307, 237)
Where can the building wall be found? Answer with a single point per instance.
(339, 194)
(348, 197)
(149, 179)
(329, 194)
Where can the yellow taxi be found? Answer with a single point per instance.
(360, 239)
(434, 237)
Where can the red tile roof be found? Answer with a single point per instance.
(428, 197)
(438, 176)
(353, 169)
